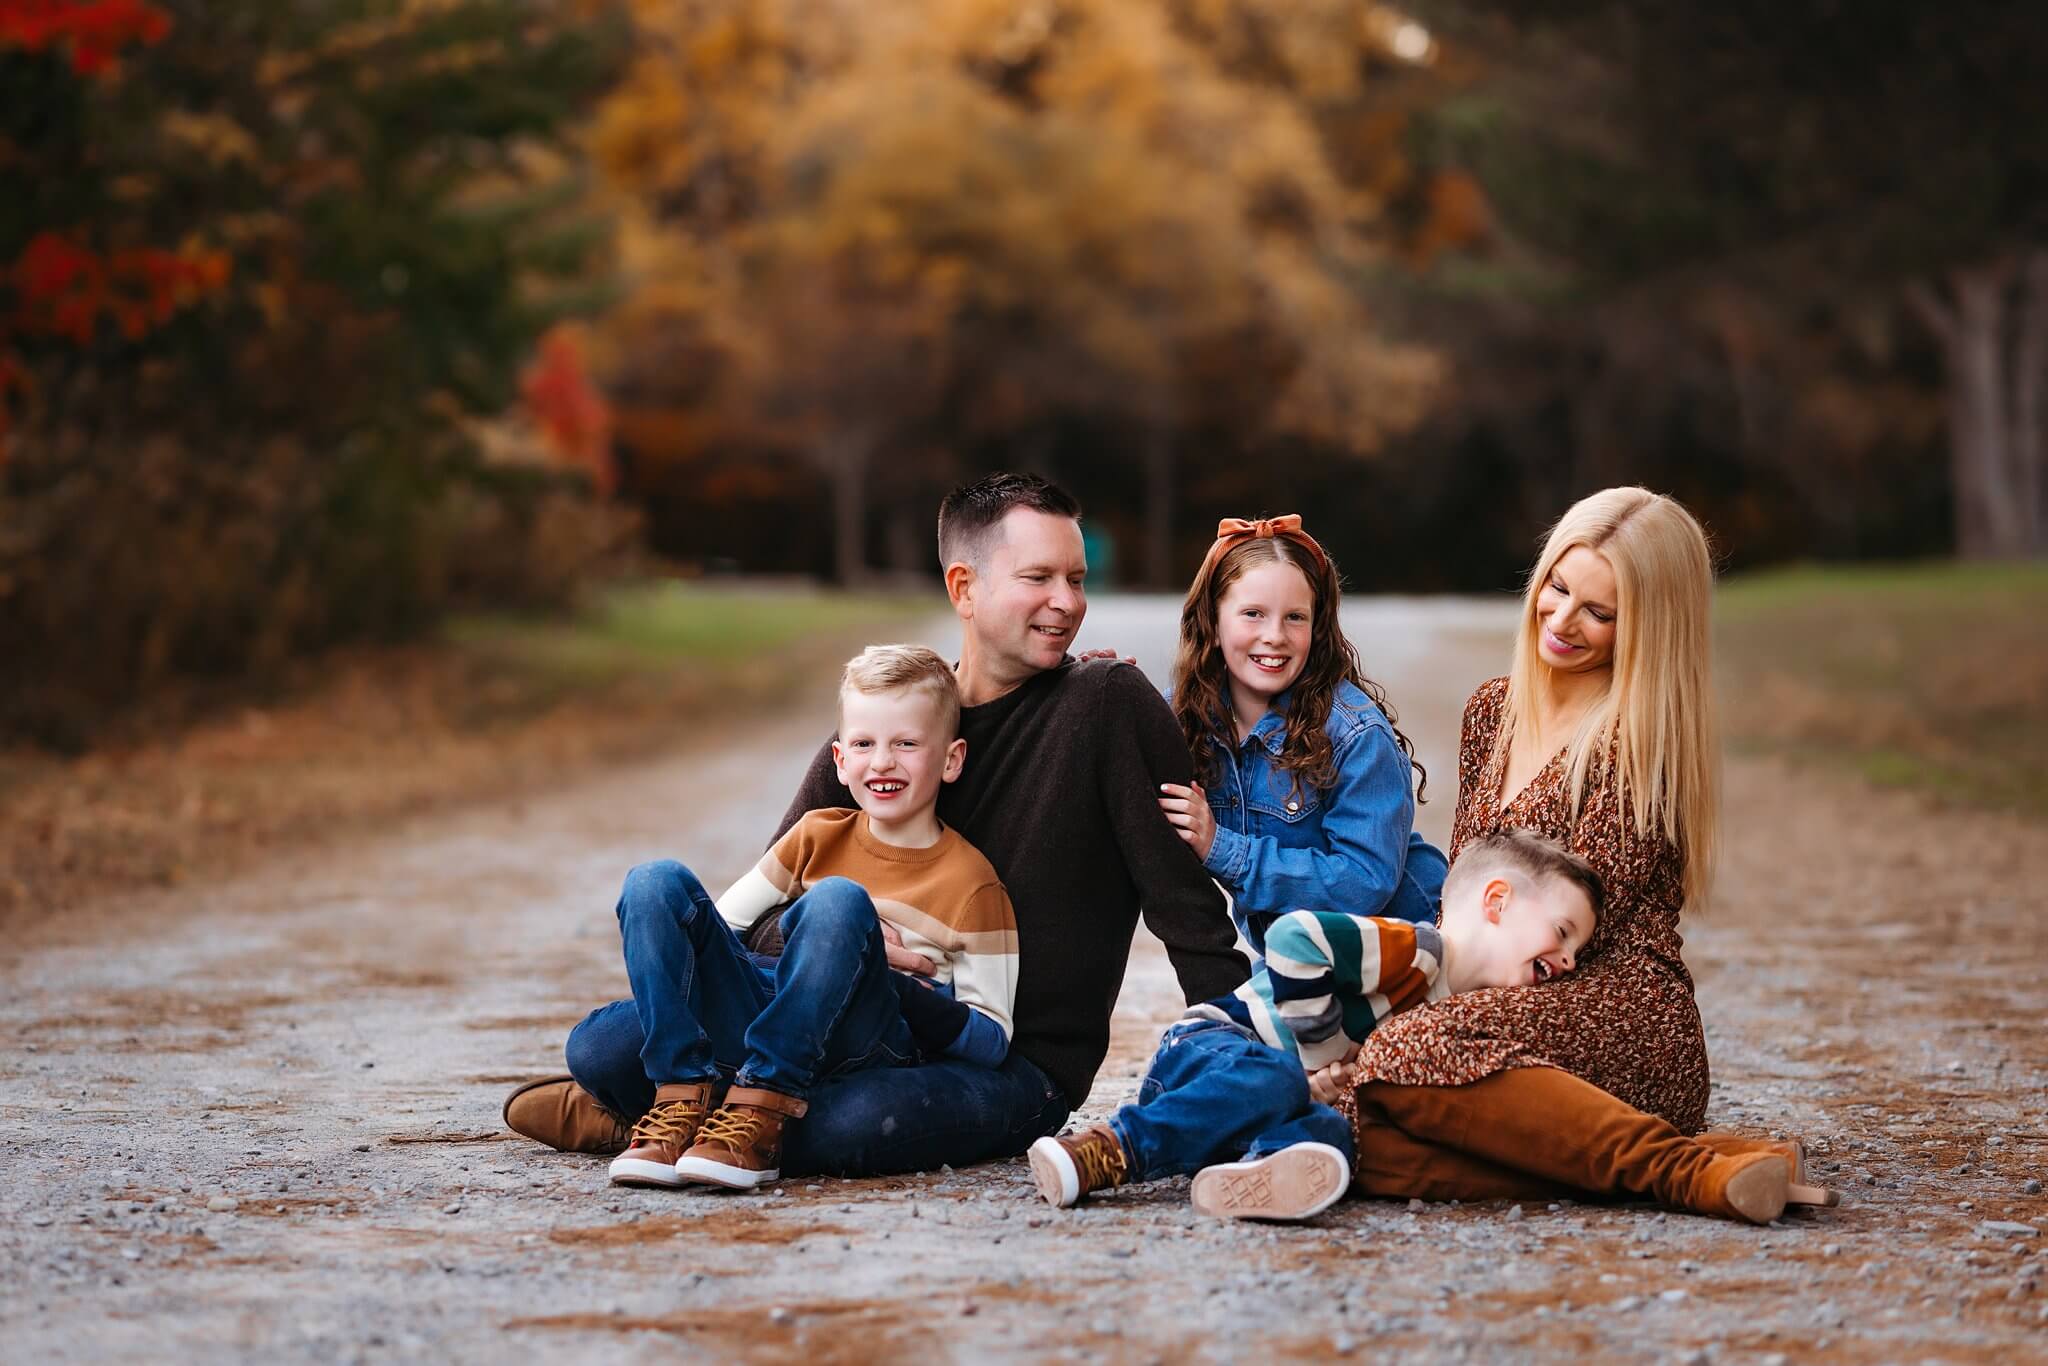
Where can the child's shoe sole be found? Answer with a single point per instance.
(639, 1171)
(703, 1171)
(1059, 1181)
(1298, 1182)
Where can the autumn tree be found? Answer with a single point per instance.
(271, 264)
(1751, 166)
(919, 227)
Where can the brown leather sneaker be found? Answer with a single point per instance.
(1074, 1165)
(740, 1146)
(1297, 1182)
(558, 1112)
(663, 1134)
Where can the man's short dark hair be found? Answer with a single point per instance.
(1516, 850)
(970, 513)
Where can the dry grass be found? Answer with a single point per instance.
(499, 708)
(1929, 677)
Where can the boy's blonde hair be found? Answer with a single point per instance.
(895, 668)
(1658, 712)
(1524, 855)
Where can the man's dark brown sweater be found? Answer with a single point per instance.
(1061, 793)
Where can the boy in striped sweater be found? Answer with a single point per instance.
(1244, 1074)
(830, 1004)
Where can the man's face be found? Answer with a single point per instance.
(1024, 605)
(892, 753)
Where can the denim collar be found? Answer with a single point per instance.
(1271, 729)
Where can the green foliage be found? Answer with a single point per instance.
(394, 187)
(651, 628)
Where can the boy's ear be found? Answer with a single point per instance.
(960, 588)
(956, 759)
(1494, 897)
(838, 760)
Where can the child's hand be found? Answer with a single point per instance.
(1327, 1085)
(902, 959)
(1087, 655)
(1188, 809)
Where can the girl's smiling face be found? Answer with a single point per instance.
(1575, 612)
(1263, 629)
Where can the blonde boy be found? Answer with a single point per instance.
(1232, 1077)
(829, 1005)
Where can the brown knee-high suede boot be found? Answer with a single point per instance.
(1727, 1144)
(1396, 1165)
(1547, 1122)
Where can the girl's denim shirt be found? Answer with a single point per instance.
(1352, 848)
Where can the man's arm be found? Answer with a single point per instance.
(1140, 748)
(820, 788)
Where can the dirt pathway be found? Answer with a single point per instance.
(259, 1120)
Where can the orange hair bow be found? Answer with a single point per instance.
(1232, 530)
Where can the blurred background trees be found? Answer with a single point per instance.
(270, 266)
(282, 293)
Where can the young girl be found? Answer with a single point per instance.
(1306, 804)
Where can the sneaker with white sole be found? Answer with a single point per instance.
(1075, 1165)
(1298, 1182)
(662, 1135)
(740, 1146)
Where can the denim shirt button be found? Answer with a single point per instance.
(1293, 805)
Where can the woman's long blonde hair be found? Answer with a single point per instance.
(1657, 716)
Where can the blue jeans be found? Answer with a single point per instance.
(869, 1119)
(1215, 1094)
(707, 1009)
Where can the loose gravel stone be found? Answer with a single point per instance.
(223, 1204)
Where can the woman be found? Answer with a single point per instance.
(1603, 738)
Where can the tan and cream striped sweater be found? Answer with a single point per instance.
(945, 900)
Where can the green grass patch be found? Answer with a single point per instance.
(654, 628)
(1927, 676)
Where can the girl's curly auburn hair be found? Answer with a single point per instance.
(1201, 684)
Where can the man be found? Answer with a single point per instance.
(1060, 792)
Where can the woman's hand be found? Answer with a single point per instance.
(1188, 809)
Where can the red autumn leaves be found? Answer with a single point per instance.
(63, 289)
(93, 31)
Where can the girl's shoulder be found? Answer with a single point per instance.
(1352, 713)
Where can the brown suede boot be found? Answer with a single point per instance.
(1548, 1122)
(740, 1145)
(1074, 1165)
(1395, 1165)
(663, 1134)
(558, 1112)
(1802, 1190)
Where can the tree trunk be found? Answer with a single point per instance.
(2030, 373)
(1159, 507)
(845, 458)
(1982, 379)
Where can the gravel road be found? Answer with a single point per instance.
(258, 1120)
